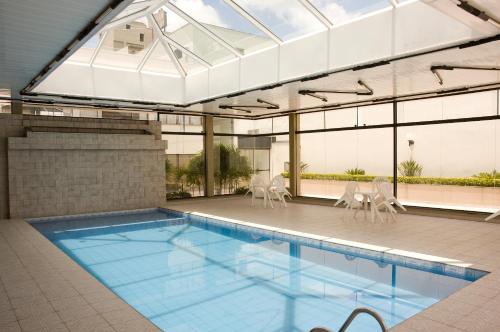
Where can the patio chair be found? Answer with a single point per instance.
(494, 215)
(384, 199)
(281, 180)
(278, 190)
(349, 197)
(384, 187)
(257, 184)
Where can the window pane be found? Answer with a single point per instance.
(286, 18)
(451, 107)
(375, 115)
(340, 11)
(233, 166)
(181, 123)
(312, 121)
(450, 165)
(185, 166)
(359, 155)
(159, 61)
(346, 117)
(84, 53)
(126, 45)
(191, 37)
(225, 22)
(281, 124)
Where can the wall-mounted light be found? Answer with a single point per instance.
(436, 68)
(248, 108)
(365, 91)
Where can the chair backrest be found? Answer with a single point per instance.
(351, 188)
(378, 181)
(384, 188)
(278, 182)
(257, 180)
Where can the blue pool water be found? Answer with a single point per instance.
(187, 273)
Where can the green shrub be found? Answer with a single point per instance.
(355, 171)
(410, 168)
(471, 181)
(488, 175)
(178, 194)
(240, 190)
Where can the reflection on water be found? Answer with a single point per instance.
(198, 277)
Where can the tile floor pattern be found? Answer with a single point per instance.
(474, 308)
(41, 289)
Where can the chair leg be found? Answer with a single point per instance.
(494, 215)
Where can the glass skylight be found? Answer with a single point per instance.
(135, 7)
(225, 22)
(190, 37)
(340, 11)
(159, 61)
(126, 45)
(85, 53)
(286, 18)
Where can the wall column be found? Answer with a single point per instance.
(209, 156)
(16, 107)
(294, 171)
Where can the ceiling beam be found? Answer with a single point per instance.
(318, 14)
(203, 29)
(147, 55)
(134, 16)
(98, 47)
(254, 21)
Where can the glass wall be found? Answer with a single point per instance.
(247, 147)
(451, 165)
(450, 161)
(342, 153)
(185, 157)
(184, 166)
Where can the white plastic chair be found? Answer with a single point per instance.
(494, 215)
(349, 197)
(383, 186)
(257, 184)
(278, 190)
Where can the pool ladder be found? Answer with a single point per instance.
(352, 316)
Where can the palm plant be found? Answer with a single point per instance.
(410, 168)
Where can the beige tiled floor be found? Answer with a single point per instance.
(475, 244)
(41, 289)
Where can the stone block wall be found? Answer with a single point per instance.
(55, 171)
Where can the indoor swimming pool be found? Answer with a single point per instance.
(192, 273)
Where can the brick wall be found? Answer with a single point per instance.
(55, 172)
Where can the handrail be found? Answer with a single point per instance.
(351, 317)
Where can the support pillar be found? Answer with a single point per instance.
(16, 107)
(209, 156)
(294, 172)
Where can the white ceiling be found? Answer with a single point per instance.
(32, 33)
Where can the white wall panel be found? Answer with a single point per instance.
(162, 88)
(111, 83)
(364, 40)
(420, 26)
(304, 56)
(259, 68)
(68, 79)
(196, 86)
(225, 78)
